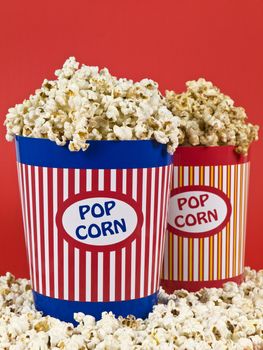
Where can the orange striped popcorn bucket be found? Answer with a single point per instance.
(206, 230)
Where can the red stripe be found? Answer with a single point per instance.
(128, 277)
(118, 252)
(155, 231)
(138, 240)
(94, 255)
(82, 252)
(147, 229)
(34, 223)
(50, 230)
(106, 255)
(160, 228)
(71, 253)
(60, 239)
(33, 256)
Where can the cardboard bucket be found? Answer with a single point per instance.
(94, 224)
(205, 239)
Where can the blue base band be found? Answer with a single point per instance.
(64, 309)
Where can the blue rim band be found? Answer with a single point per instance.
(100, 155)
(64, 309)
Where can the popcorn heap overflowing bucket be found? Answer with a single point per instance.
(94, 156)
(205, 241)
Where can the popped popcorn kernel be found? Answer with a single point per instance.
(85, 103)
(209, 118)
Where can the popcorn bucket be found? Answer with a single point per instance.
(94, 224)
(205, 239)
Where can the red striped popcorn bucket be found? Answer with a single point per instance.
(94, 224)
(205, 239)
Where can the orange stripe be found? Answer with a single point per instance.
(180, 176)
(190, 259)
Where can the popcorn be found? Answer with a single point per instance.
(209, 118)
(226, 318)
(86, 103)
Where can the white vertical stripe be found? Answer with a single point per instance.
(152, 207)
(134, 184)
(76, 181)
(46, 240)
(196, 176)
(144, 192)
(206, 175)
(112, 275)
(186, 175)
(65, 184)
(216, 176)
(185, 260)
(76, 274)
(31, 232)
(123, 255)
(65, 258)
(232, 200)
(206, 258)
(196, 259)
(100, 276)
(215, 256)
(158, 231)
(27, 225)
(133, 268)
(38, 230)
(175, 258)
(175, 176)
(55, 231)
(113, 180)
(88, 276)
(101, 180)
(124, 181)
(88, 179)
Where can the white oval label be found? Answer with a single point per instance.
(100, 219)
(198, 211)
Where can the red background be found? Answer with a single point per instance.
(169, 41)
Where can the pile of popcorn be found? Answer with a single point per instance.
(209, 118)
(85, 103)
(227, 318)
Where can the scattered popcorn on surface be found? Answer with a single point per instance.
(86, 103)
(209, 118)
(228, 318)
